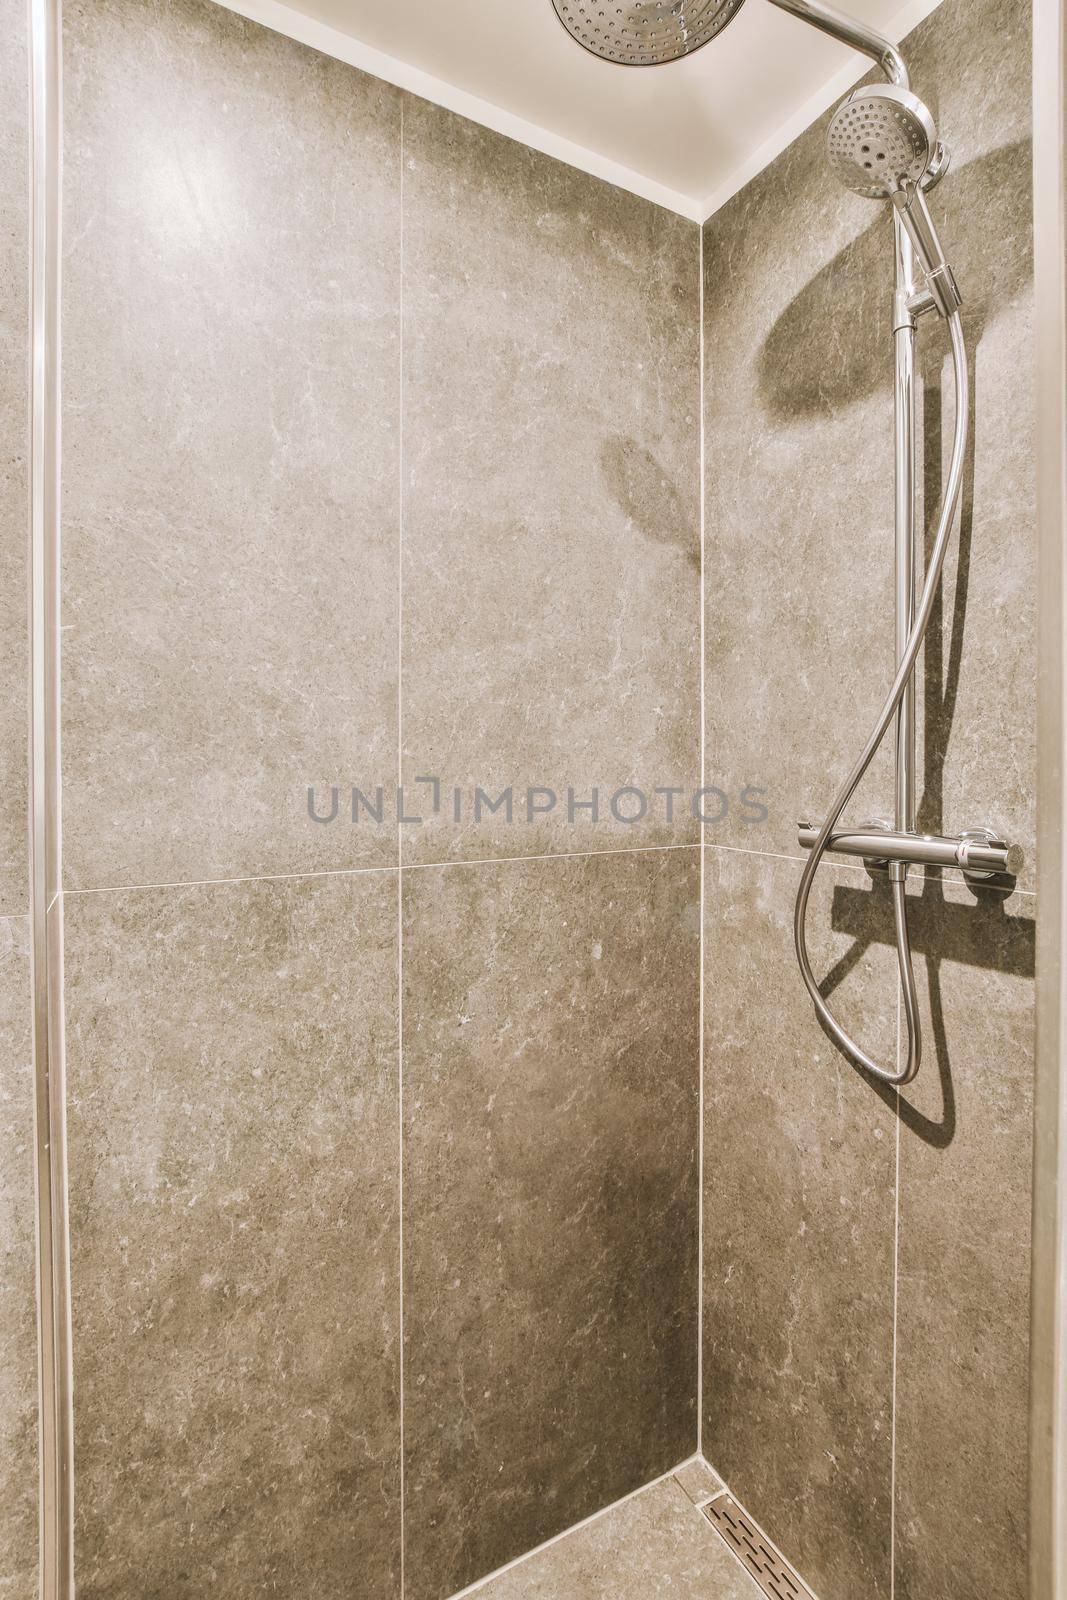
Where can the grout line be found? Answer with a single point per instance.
(700, 956)
(474, 861)
(565, 1533)
(400, 855)
(780, 855)
(207, 883)
(357, 872)
(552, 855)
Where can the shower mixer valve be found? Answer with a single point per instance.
(978, 853)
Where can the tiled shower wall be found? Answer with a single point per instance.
(379, 460)
(378, 457)
(866, 1263)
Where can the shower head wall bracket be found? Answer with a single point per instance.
(939, 165)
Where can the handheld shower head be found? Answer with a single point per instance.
(644, 33)
(880, 138)
(883, 144)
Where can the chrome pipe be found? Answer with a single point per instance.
(972, 853)
(904, 489)
(904, 519)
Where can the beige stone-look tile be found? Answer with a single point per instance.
(654, 1545)
(551, 495)
(699, 1481)
(18, 1322)
(231, 398)
(14, 450)
(801, 401)
(233, 1114)
(799, 527)
(799, 1160)
(550, 1199)
(963, 1298)
(799, 506)
(979, 677)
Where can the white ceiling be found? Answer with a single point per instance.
(687, 135)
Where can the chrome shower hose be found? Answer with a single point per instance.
(905, 668)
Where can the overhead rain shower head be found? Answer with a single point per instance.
(881, 138)
(644, 33)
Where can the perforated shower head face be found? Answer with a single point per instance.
(644, 33)
(880, 138)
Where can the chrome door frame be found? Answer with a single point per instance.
(55, 1442)
(1048, 1322)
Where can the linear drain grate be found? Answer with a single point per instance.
(755, 1552)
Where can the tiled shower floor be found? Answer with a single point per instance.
(657, 1543)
